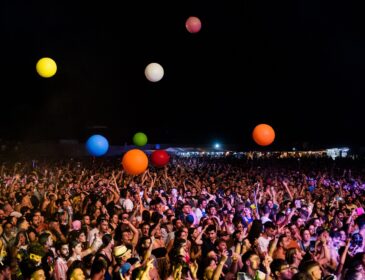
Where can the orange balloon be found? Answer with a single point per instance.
(135, 162)
(263, 134)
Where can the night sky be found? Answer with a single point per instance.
(296, 65)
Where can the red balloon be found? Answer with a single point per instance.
(193, 24)
(160, 158)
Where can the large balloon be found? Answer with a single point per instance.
(193, 24)
(97, 145)
(263, 134)
(154, 72)
(160, 158)
(140, 139)
(46, 67)
(135, 162)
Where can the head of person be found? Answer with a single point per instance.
(313, 269)
(281, 269)
(38, 274)
(62, 250)
(251, 261)
(98, 269)
(36, 253)
(45, 239)
(75, 247)
(211, 232)
(122, 253)
(5, 271)
(76, 271)
(270, 229)
(293, 255)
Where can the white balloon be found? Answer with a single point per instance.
(154, 72)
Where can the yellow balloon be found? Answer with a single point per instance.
(46, 67)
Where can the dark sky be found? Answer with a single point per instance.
(296, 65)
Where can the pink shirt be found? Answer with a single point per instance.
(60, 269)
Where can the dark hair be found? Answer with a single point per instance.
(308, 265)
(247, 256)
(146, 216)
(59, 245)
(277, 264)
(36, 249)
(107, 238)
(270, 225)
(19, 233)
(210, 228)
(73, 244)
(360, 221)
(255, 231)
(20, 221)
(301, 276)
(43, 237)
(98, 266)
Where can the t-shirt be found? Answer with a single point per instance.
(244, 276)
(263, 243)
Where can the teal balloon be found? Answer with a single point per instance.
(140, 139)
(97, 145)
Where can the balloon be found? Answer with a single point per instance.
(135, 162)
(263, 134)
(193, 24)
(46, 67)
(154, 72)
(160, 158)
(97, 145)
(157, 146)
(140, 139)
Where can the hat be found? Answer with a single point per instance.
(125, 268)
(120, 250)
(76, 225)
(15, 214)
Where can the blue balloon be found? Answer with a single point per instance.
(97, 145)
(157, 146)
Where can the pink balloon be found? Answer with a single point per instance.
(193, 24)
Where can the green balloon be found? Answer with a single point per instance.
(140, 139)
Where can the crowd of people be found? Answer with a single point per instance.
(196, 218)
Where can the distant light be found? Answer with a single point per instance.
(294, 149)
(217, 145)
